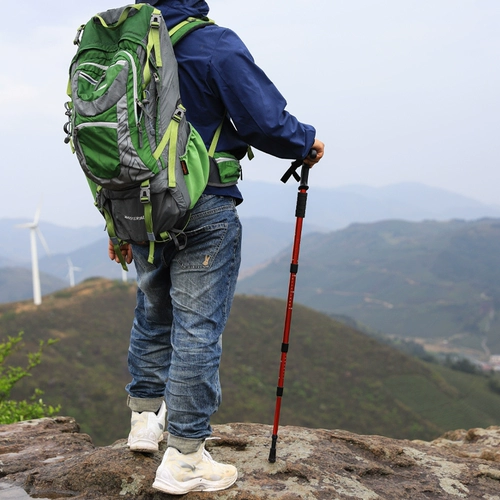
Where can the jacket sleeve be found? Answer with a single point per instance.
(254, 104)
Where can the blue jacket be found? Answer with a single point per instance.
(218, 77)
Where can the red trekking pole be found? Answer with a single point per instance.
(300, 213)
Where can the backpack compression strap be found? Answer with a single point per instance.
(153, 46)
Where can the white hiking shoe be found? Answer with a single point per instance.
(179, 474)
(147, 430)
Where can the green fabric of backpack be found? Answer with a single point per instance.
(145, 164)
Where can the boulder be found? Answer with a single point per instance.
(50, 458)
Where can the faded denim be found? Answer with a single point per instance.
(183, 303)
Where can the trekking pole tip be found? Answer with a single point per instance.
(272, 452)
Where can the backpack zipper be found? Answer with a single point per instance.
(134, 77)
(96, 124)
(89, 79)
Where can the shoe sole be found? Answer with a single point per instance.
(144, 446)
(199, 484)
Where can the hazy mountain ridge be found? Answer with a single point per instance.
(16, 283)
(262, 238)
(268, 226)
(60, 239)
(336, 208)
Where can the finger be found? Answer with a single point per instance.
(130, 255)
(111, 252)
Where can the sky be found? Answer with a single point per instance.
(398, 90)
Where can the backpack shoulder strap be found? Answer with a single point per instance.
(178, 32)
(187, 26)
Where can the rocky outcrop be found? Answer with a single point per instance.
(50, 458)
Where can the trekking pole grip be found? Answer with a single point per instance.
(304, 177)
(295, 165)
(300, 210)
(304, 173)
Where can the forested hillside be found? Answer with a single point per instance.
(436, 281)
(336, 376)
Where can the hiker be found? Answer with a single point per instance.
(184, 298)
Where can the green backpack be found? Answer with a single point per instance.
(145, 164)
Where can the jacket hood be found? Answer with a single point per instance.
(175, 11)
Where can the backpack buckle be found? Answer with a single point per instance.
(179, 114)
(155, 20)
(78, 36)
(145, 194)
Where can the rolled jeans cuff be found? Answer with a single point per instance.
(144, 404)
(184, 445)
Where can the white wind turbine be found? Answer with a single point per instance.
(34, 232)
(71, 273)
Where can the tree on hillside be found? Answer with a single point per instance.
(15, 411)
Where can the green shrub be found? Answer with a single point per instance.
(15, 411)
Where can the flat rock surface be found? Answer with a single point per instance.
(50, 458)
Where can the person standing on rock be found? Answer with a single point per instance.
(184, 299)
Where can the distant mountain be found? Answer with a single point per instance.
(425, 202)
(15, 241)
(268, 217)
(262, 239)
(336, 376)
(427, 280)
(336, 208)
(16, 284)
(92, 261)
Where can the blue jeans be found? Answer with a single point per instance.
(183, 303)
